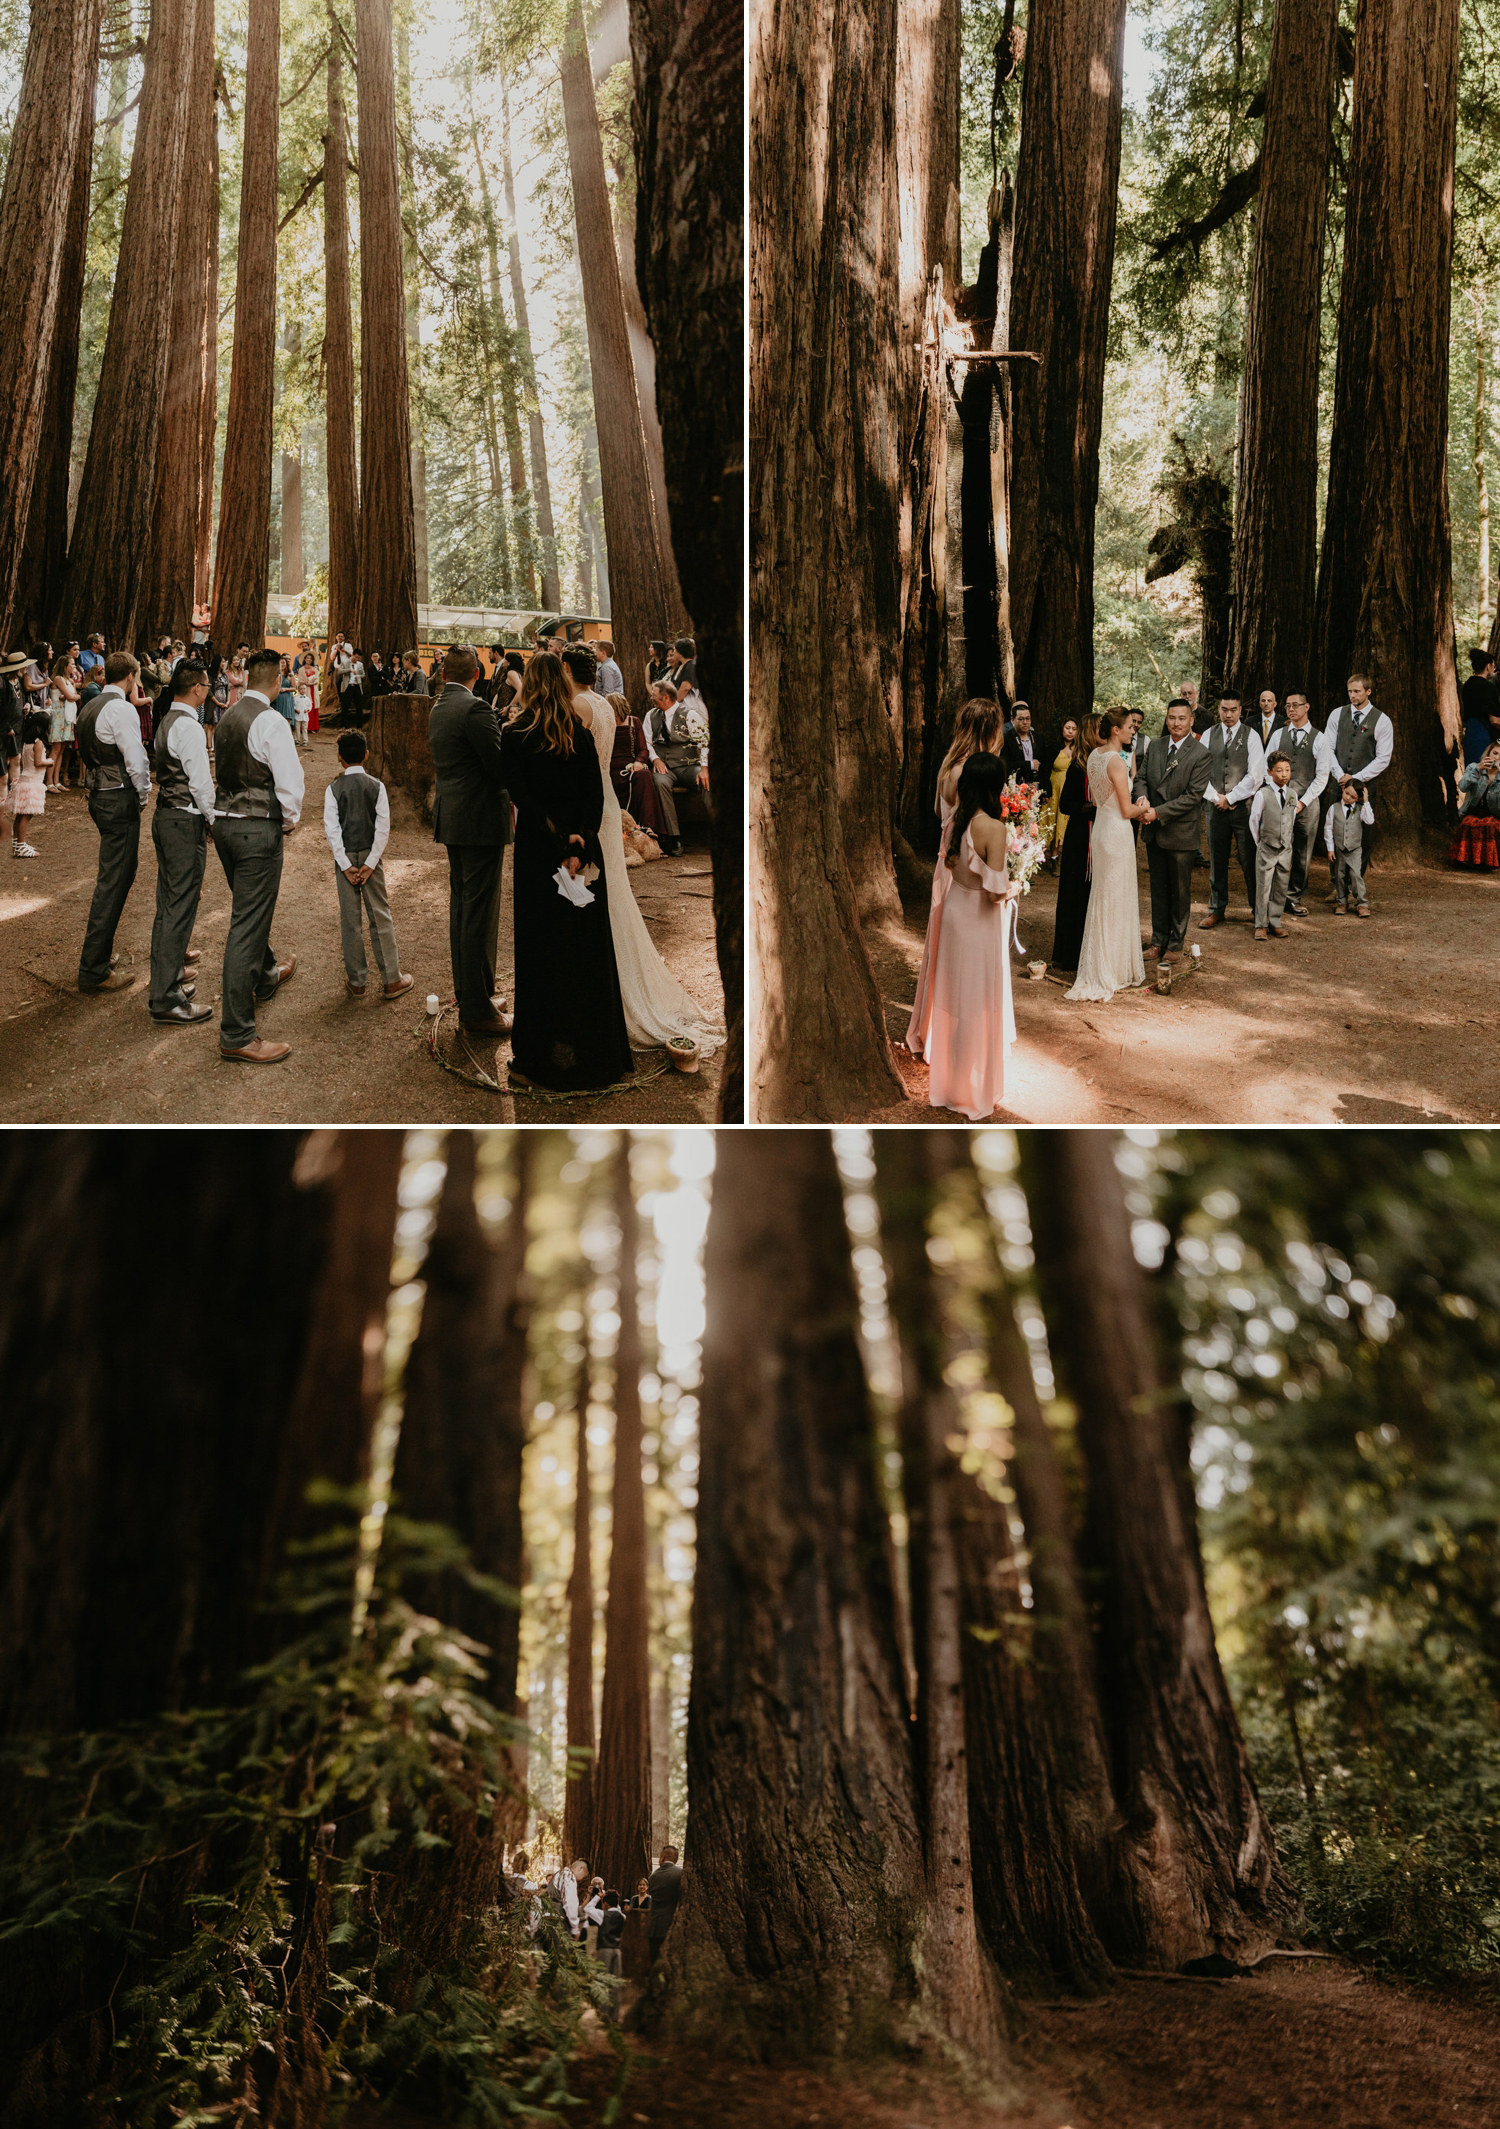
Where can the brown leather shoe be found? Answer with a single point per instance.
(1278, 931)
(285, 970)
(257, 1052)
(355, 990)
(116, 980)
(1261, 934)
(398, 989)
(497, 1024)
(1152, 951)
(192, 953)
(1208, 923)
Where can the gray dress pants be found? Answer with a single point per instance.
(474, 874)
(251, 854)
(372, 901)
(181, 842)
(1273, 870)
(117, 816)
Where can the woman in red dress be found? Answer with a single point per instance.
(630, 769)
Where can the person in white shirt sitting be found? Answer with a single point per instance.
(119, 784)
(179, 832)
(357, 823)
(259, 787)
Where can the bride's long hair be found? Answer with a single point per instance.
(545, 706)
(980, 786)
(977, 726)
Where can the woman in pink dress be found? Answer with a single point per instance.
(971, 1024)
(978, 729)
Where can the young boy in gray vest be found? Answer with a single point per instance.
(1347, 822)
(1273, 827)
(357, 823)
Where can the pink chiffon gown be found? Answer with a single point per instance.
(921, 1009)
(971, 1022)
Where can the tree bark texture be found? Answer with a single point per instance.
(622, 1794)
(51, 133)
(387, 542)
(1276, 514)
(1385, 594)
(208, 405)
(578, 1798)
(292, 574)
(242, 559)
(1067, 188)
(506, 366)
(688, 58)
(540, 482)
(1201, 1872)
(803, 1914)
(643, 355)
(638, 596)
(338, 359)
(411, 280)
(107, 552)
(824, 396)
(171, 560)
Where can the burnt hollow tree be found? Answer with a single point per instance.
(688, 172)
(1067, 190)
(107, 555)
(622, 1792)
(1385, 593)
(578, 1798)
(1276, 522)
(50, 137)
(242, 557)
(338, 356)
(387, 537)
(638, 603)
(1198, 535)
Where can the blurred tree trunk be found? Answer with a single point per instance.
(578, 1798)
(411, 277)
(503, 355)
(541, 485)
(1385, 590)
(594, 514)
(40, 267)
(208, 403)
(338, 357)
(242, 557)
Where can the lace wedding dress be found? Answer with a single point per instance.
(656, 1005)
(1110, 959)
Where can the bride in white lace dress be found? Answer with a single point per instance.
(656, 1005)
(1110, 959)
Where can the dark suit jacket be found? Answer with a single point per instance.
(1015, 763)
(1175, 792)
(665, 1888)
(471, 805)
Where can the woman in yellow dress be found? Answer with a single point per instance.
(1060, 767)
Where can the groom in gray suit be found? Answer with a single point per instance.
(1172, 778)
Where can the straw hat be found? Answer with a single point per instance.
(13, 662)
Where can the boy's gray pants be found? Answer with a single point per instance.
(1273, 871)
(1349, 875)
(375, 902)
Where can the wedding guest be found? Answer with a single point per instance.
(285, 699)
(1267, 719)
(62, 715)
(1076, 807)
(1199, 712)
(236, 676)
(508, 685)
(258, 792)
(978, 729)
(1308, 752)
(611, 680)
(25, 798)
(1481, 701)
(1361, 741)
(185, 805)
(302, 706)
(1273, 824)
(471, 818)
(1062, 761)
(1021, 753)
(657, 666)
(357, 823)
(971, 1024)
(630, 769)
(416, 680)
(119, 784)
(1172, 779)
(1236, 771)
(1477, 842)
(1347, 823)
(607, 1944)
(676, 751)
(666, 1891)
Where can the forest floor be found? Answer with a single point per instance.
(1257, 1031)
(70, 1059)
(1324, 2046)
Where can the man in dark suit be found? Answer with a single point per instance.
(665, 1889)
(1172, 778)
(1268, 719)
(1021, 752)
(471, 816)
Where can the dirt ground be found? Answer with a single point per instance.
(1257, 1032)
(1320, 2045)
(70, 1059)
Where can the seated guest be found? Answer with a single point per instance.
(1478, 840)
(631, 769)
(676, 754)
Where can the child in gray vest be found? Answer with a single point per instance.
(1273, 825)
(1345, 836)
(357, 823)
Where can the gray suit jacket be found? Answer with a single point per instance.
(1176, 791)
(471, 805)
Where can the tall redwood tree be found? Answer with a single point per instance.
(578, 1798)
(338, 356)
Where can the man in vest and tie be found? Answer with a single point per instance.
(185, 805)
(258, 803)
(119, 784)
(1236, 771)
(1361, 740)
(1273, 823)
(1307, 751)
(1172, 777)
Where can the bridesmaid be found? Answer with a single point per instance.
(1073, 866)
(978, 729)
(972, 1025)
(1060, 768)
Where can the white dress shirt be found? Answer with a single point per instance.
(332, 827)
(1366, 814)
(188, 747)
(273, 744)
(1385, 741)
(118, 724)
(1248, 784)
(1287, 739)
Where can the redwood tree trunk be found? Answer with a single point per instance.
(1385, 593)
(108, 551)
(242, 559)
(622, 1794)
(1276, 528)
(208, 403)
(638, 609)
(338, 358)
(51, 135)
(1067, 186)
(387, 538)
(292, 572)
(541, 486)
(824, 245)
(689, 171)
(167, 605)
(578, 1798)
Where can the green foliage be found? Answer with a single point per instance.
(298, 1892)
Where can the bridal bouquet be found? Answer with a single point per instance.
(1028, 834)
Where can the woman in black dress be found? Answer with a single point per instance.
(570, 1022)
(1073, 865)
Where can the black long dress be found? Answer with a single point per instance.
(1073, 869)
(570, 1020)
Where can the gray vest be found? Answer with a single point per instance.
(1348, 828)
(101, 758)
(1278, 818)
(245, 787)
(1355, 750)
(1229, 758)
(356, 794)
(1303, 757)
(171, 777)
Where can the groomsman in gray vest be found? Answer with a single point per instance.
(119, 784)
(1361, 740)
(1236, 771)
(1307, 750)
(258, 775)
(1273, 824)
(1172, 777)
(357, 823)
(185, 803)
(471, 817)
